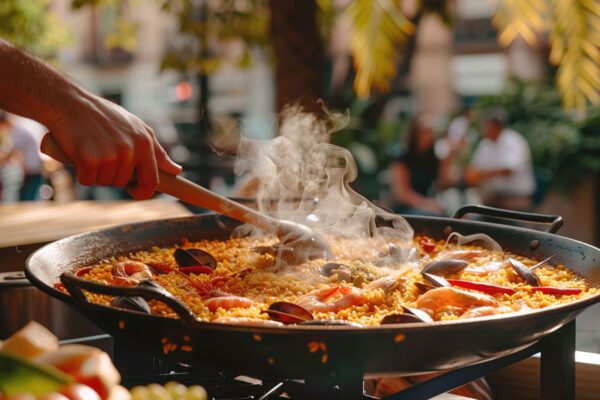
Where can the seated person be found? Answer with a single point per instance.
(501, 165)
(412, 175)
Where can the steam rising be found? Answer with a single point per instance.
(304, 179)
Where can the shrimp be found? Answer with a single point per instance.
(486, 310)
(331, 299)
(455, 299)
(246, 321)
(228, 302)
(131, 271)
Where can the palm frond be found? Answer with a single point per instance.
(378, 26)
(575, 38)
(519, 17)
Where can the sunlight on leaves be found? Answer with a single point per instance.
(378, 27)
(574, 27)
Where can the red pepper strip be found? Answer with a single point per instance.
(488, 288)
(427, 245)
(556, 291)
(59, 286)
(199, 269)
(83, 271)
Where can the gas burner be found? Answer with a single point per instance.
(557, 375)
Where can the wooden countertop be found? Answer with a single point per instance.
(38, 222)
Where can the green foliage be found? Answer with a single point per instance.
(567, 147)
(378, 27)
(28, 24)
(574, 28)
(216, 31)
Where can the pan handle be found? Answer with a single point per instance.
(555, 221)
(76, 285)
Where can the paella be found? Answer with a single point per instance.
(368, 282)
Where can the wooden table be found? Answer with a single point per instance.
(26, 225)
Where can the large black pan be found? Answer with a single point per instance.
(333, 353)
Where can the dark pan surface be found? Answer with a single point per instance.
(332, 351)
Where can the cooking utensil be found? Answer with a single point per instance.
(299, 241)
(334, 353)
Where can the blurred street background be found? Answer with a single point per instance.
(449, 102)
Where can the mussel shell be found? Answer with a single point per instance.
(422, 315)
(288, 313)
(343, 271)
(149, 283)
(424, 287)
(435, 280)
(194, 257)
(134, 303)
(524, 272)
(336, 322)
(395, 256)
(399, 319)
(445, 267)
(409, 315)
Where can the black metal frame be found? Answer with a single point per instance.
(557, 375)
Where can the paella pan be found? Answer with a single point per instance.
(308, 349)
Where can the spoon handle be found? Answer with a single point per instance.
(185, 190)
(192, 193)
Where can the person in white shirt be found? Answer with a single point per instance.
(501, 165)
(23, 150)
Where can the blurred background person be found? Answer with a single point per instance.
(20, 159)
(458, 129)
(414, 174)
(501, 165)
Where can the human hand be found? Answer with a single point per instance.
(107, 144)
(432, 205)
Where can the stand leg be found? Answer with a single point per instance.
(557, 366)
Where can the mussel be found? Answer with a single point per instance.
(424, 287)
(187, 258)
(409, 315)
(525, 272)
(150, 283)
(134, 303)
(344, 272)
(397, 254)
(435, 280)
(288, 313)
(443, 267)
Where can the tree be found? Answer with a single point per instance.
(28, 24)
(378, 28)
(298, 50)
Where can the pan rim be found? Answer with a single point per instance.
(576, 305)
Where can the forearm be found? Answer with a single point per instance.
(33, 89)
(105, 142)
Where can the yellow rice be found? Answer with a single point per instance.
(268, 282)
